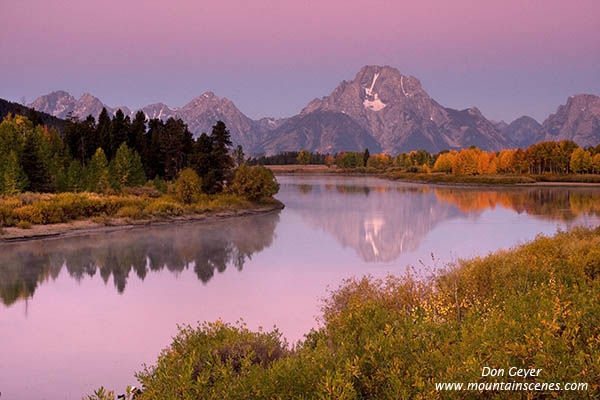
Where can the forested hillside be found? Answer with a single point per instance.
(8, 107)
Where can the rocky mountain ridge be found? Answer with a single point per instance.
(381, 109)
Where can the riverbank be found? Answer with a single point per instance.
(535, 306)
(44, 216)
(445, 179)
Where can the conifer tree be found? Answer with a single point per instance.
(201, 161)
(103, 131)
(33, 163)
(137, 134)
(120, 165)
(136, 177)
(155, 158)
(75, 177)
(98, 179)
(119, 132)
(222, 161)
(12, 177)
(89, 140)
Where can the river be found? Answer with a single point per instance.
(85, 311)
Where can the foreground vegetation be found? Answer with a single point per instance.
(535, 306)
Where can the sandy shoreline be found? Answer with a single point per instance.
(87, 226)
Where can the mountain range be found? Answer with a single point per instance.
(380, 109)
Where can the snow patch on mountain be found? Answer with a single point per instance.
(372, 102)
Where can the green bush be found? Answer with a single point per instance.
(214, 359)
(188, 186)
(254, 183)
(160, 185)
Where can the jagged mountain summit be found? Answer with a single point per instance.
(399, 114)
(380, 109)
(200, 114)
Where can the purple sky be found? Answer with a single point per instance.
(270, 57)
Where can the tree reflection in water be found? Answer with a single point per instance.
(204, 247)
(381, 220)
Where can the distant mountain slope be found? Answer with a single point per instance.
(381, 109)
(321, 131)
(578, 120)
(524, 131)
(7, 107)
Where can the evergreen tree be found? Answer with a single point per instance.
(103, 131)
(201, 161)
(89, 140)
(98, 179)
(58, 161)
(75, 177)
(222, 161)
(120, 165)
(176, 144)
(33, 163)
(154, 165)
(119, 132)
(12, 177)
(137, 134)
(136, 177)
(366, 156)
(72, 136)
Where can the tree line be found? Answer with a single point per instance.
(288, 158)
(564, 157)
(109, 153)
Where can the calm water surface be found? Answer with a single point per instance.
(82, 312)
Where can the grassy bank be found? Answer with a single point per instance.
(42, 214)
(438, 177)
(447, 179)
(534, 306)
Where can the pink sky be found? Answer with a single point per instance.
(272, 57)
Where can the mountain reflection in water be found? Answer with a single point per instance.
(204, 247)
(383, 221)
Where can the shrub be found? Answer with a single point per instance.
(188, 186)
(160, 185)
(162, 207)
(254, 183)
(24, 225)
(7, 211)
(213, 360)
(131, 211)
(148, 191)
